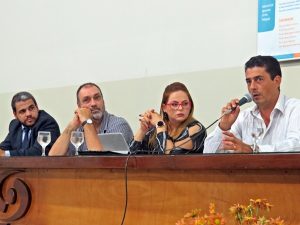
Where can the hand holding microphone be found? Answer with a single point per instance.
(226, 110)
(234, 103)
(231, 111)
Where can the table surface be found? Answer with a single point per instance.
(201, 162)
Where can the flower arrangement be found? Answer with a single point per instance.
(195, 218)
(252, 214)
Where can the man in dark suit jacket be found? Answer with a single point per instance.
(23, 130)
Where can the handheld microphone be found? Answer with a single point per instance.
(245, 99)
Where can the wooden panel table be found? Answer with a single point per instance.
(161, 189)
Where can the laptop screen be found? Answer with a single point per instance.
(114, 142)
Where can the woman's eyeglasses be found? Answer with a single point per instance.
(175, 105)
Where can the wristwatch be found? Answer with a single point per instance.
(160, 124)
(88, 121)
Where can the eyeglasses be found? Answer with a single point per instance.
(175, 105)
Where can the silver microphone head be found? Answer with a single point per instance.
(245, 99)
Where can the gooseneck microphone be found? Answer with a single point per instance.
(245, 99)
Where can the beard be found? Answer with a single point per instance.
(29, 121)
(97, 115)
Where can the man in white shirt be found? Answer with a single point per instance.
(276, 115)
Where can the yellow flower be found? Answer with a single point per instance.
(218, 220)
(237, 208)
(250, 220)
(244, 215)
(261, 204)
(262, 221)
(212, 208)
(277, 221)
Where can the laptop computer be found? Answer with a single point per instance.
(113, 144)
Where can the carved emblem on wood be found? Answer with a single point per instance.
(15, 197)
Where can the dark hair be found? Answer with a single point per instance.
(21, 96)
(87, 85)
(271, 65)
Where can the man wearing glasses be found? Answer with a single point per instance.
(23, 130)
(91, 118)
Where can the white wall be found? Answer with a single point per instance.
(57, 43)
(133, 49)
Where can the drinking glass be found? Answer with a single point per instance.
(77, 139)
(44, 139)
(256, 134)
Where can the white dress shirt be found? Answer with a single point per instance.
(281, 135)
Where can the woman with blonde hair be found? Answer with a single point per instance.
(172, 131)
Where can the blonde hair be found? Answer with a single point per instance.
(171, 88)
